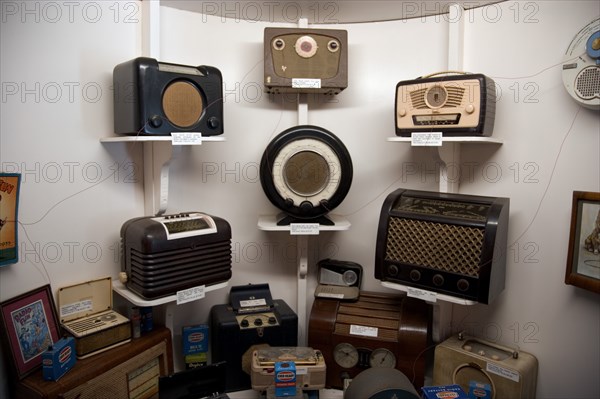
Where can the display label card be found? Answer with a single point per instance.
(363, 330)
(427, 296)
(305, 83)
(502, 371)
(304, 228)
(191, 294)
(428, 139)
(188, 138)
(253, 303)
(78, 307)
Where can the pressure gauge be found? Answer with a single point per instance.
(382, 357)
(345, 355)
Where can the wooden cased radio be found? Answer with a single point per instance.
(378, 330)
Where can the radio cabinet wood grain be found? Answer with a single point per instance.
(111, 374)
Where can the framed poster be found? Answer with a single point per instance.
(583, 261)
(9, 204)
(29, 326)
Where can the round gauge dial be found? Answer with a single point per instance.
(382, 357)
(345, 355)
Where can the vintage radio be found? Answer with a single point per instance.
(452, 244)
(339, 279)
(157, 98)
(165, 254)
(457, 105)
(299, 60)
(462, 359)
(306, 171)
(310, 366)
(378, 330)
(251, 318)
(85, 312)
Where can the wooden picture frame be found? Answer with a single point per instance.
(583, 260)
(9, 211)
(29, 325)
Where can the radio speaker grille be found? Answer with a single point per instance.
(588, 83)
(439, 246)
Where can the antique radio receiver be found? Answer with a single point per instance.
(251, 318)
(446, 243)
(165, 254)
(378, 330)
(309, 362)
(581, 66)
(339, 279)
(306, 171)
(461, 359)
(85, 312)
(299, 60)
(156, 98)
(458, 105)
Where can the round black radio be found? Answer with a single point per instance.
(306, 171)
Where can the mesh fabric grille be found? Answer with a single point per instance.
(438, 246)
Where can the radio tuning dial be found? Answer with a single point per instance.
(345, 355)
(435, 97)
(382, 357)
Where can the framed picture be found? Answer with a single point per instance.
(29, 326)
(583, 262)
(9, 207)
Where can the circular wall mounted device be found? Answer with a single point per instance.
(306, 171)
(581, 66)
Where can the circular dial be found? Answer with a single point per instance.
(350, 277)
(435, 96)
(345, 355)
(382, 357)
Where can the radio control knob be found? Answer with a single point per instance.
(392, 270)
(438, 280)
(244, 323)
(258, 322)
(272, 320)
(462, 284)
(214, 122)
(156, 121)
(415, 275)
(306, 206)
(470, 108)
(402, 112)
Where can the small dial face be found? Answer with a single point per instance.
(382, 357)
(436, 96)
(345, 355)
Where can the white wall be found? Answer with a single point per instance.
(542, 160)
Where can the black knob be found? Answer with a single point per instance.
(306, 206)
(393, 270)
(244, 323)
(438, 280)
(214, 122)
(462, 284)
(156, 121)
(272, 320)
(258, 322)
(415, 275)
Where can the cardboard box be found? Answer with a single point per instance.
(285, 379)
(195, 345)
(478, 390)
(444, 392)
(58, 359)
